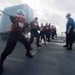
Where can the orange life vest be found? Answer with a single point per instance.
(19, 25)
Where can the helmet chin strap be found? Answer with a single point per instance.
(19, 15)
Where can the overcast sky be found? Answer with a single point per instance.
(50, 11)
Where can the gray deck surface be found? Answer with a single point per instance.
(50, 59)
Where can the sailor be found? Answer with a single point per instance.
(42, 33)
(35, 31)
(16, 34)
(47, 28)
(69, 32)
(52, 31)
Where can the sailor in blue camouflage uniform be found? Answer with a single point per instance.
(69, 32)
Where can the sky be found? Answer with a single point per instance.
(48, 11)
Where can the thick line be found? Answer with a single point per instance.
(16, 59)
(19, 59)
(34, 53)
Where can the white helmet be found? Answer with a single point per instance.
(46, 23)
(36, 18)
(68, 15)
(41, 24)
(20, 12)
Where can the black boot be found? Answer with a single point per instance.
(49, 40)
(38, 45)
(69, 48)
(31, 48)
(1, 67)
(65, 45)
(29, 55)
(44, 43)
